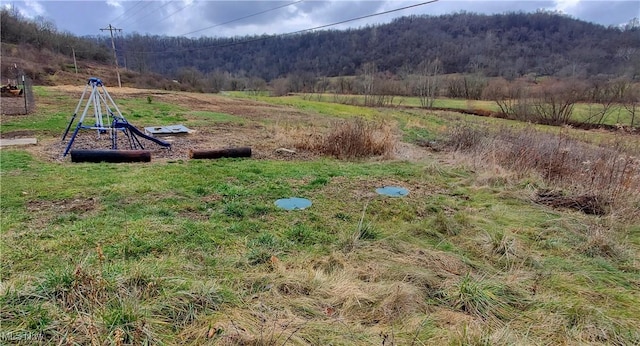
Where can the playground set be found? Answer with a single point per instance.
(107, 120)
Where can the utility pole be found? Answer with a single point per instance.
(75, 64)
(113, 45)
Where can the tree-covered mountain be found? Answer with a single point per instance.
(508, 45)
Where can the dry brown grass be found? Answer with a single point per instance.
(595, 179)
(369, 295)
(349, 139)
(601, 243)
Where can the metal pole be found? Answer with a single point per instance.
(24, 95)
(79, 125)
(75, 113)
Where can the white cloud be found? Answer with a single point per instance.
(36, 7)
(32, 9)
(114, 3)
(565, 5)
(227, 17)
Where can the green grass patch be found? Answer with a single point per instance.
(616, 115)
(196, 252)
(14, 160)
(157, 113)
(206, 117)
(40, 122)
(317, 107)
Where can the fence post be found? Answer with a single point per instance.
(24, 95)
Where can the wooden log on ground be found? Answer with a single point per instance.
(112, 156)
(219, 153)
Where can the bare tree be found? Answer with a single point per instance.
(387, 87)
(280, 87)
(455, 86)
(344, 85)
(369, 71)
(554, 100)
(255, 86)
(473, 85)
(215, 81)
(428, 82)
(631, 102)
(321, 86)
(604, 94)
(511, 97)
(190, 76)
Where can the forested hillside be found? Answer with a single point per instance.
(507, 45)
(47, 56)
(42, 34)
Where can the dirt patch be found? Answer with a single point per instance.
(588, 204)
(76, 205)
(10, 106)
(18, 134)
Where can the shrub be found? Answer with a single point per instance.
(352, 139)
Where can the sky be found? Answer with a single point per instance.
(216, 18)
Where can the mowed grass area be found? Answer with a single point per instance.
(55, 110)
(196, 252)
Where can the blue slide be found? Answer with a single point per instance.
(135, 131)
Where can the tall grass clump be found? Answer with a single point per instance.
(483, 298)
(353, 139)
(600, 179)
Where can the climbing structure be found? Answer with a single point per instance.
(105, 120)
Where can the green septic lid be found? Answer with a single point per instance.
(393, 191)
(293, 203)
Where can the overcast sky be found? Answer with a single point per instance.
(195, 18)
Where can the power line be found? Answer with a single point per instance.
(130, 14)
(245, 17)
(173, 13)
(264, 38)
(362, 17)
(134, 13)
(125, 12)
(151, 12)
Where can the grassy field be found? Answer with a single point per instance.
(582, 112)
(195, 252)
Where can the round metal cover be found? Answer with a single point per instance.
(393, 191)
(293, 203)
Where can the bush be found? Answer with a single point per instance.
(351, 139)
